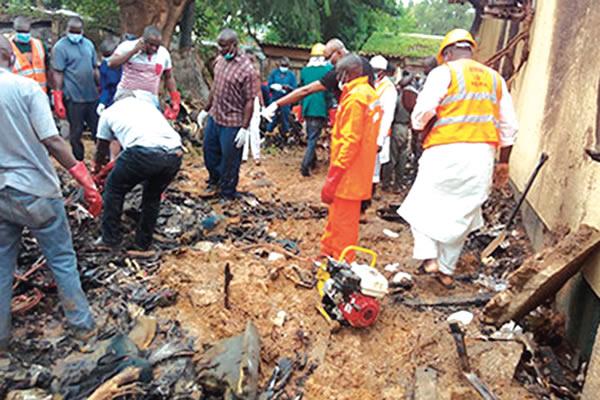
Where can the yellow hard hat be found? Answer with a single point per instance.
(453, 37)
(317, 50)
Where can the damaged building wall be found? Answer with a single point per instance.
(556, 98)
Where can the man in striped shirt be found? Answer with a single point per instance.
(145, 61)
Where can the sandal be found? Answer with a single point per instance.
(445, 280)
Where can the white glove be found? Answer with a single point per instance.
(269, 112)
(202, 118)
(100, 108)
(277, 87)
(241, 138)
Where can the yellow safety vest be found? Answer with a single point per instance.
(35, 70)
(470, 111)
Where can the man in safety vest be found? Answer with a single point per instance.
(353, 152)
(472, 115)
(31, 57)
(387, 95)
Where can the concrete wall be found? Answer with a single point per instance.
(556, 96)
(556, 99)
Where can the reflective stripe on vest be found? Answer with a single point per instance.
(470, 111)
(35, 70)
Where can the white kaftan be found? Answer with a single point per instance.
(453, 180)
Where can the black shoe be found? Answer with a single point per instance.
(305, 172)
(100, 244)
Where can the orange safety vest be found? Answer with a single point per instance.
(470, 111)
(36, 69)
(354, 139)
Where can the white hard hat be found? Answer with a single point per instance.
(379, 62)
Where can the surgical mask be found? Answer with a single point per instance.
(23, 37)
(75, 37)
(341, 81)
(283, 69)
(229, 56)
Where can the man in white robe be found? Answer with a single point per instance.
(472, 115)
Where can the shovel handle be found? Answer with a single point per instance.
(538, 167)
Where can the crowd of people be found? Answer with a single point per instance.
(461, 115)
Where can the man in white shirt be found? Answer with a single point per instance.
(472, 115)
(388, 96)
(152, 153)
(144, 63)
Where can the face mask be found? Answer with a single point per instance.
(341, 81)
(283, 69)
(23, 37)
(229, 56)
(75, 37)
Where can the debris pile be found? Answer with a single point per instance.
(134, 354)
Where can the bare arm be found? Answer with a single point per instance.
(248, 110)
(97, 76)
(505, 154)
(170, 84)
(102, 154)
(300, 93)
(117, 60)
(59, 79)
(58, 148)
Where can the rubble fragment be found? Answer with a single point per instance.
(230, 367)
(426, 384)
(591, 387)
(541, 276)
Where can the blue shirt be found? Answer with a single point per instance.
(109, 79)
(26, 120)
(286, 79)
(77, 61)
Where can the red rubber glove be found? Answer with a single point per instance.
(100, 176)
(173, 111)
(334, 176)
(59, 105)
(92, 197)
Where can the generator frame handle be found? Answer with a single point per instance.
(359, 249)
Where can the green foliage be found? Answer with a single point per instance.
(401, 44)
(100, 12)
(437, 17)
(305, 22)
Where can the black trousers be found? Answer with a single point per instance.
(77, 115)
(155, 168)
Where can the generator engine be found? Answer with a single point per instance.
(351, 293)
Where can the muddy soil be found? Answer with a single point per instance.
(374, 363)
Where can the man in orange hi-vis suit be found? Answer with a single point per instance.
(353, 152)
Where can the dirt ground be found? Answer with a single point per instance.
(374, 363)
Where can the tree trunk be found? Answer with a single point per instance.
(478, 6)
(188, 71)
(164, 14)
(186, 26)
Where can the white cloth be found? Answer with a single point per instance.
(452, 183)
(387, 101)
(254, 143)
(317, 61)
(143, 71)
(446, 254)
(137, 122)
(435, 89)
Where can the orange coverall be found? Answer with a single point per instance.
(353, 149)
